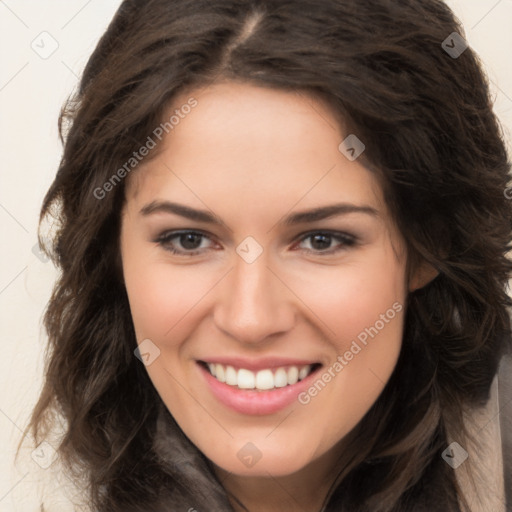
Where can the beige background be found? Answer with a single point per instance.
(32, 90)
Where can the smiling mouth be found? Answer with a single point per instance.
(262, 380)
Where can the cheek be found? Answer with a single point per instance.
(162, 298)
(350, 298)
(165, 304)
(363, 307)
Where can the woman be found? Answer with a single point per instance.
(282, 237)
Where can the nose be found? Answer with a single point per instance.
(253, 303)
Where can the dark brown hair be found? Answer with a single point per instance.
(427, 122)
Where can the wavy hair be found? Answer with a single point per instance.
(427, 122)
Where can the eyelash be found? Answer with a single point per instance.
(346, 240)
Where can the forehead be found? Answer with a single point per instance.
(249, 141)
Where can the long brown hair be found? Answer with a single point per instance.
(426, 119)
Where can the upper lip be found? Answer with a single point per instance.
(259, 364)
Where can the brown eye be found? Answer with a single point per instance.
(328, 242)
(186, 243)
(190, 240)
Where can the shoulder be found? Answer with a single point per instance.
(485, 458)
(505, 416)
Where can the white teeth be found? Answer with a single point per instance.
(293, 375)
(303, 372)
(231, 376)
(261, 380)
(280, 378)
(219, 373)
(264, 379)
(245, 379)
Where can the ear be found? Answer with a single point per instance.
(422, 275)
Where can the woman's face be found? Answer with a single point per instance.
(290, 268)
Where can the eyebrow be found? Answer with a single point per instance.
(313, 215)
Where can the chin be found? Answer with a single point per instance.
(249, 460)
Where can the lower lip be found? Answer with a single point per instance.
(253, 402)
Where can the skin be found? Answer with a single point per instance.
(252, 155)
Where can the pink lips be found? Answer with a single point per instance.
(254, 402)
